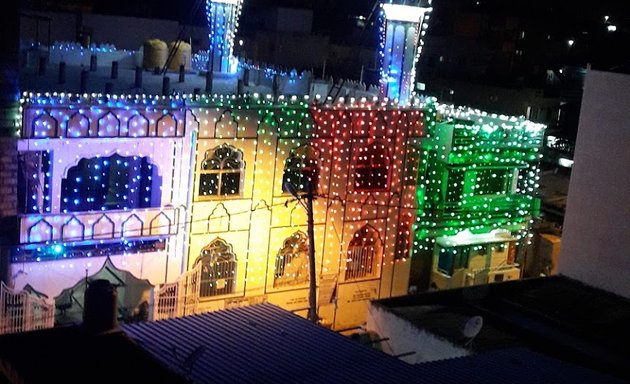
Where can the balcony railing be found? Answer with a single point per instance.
(178, 298)
(99, 225)
(24, 311)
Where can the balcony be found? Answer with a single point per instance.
(102, 226)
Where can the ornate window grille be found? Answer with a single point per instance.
(218, 269)
(292, 261)
(363, 254)
(371, 171)
(221, 172)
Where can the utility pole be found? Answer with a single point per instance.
(312, 288)
(312, 299)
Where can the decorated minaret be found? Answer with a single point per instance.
(223, 22)
(402, 30)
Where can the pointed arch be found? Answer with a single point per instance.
(226, 126)
(404, 237)
(108, 125)
(78, 125)
(73, 229)
(166, 125)
(138, 126)
(132, 226)
(219, 219)
(291, 267)
(41, 231)
(161, 224)
(103, 228)
(364, 254)
(218, 269)
(44, 125)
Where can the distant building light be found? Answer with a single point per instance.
(421, 86)
(404, 12)
(571, 42)
(611, 28)
(567, 163)
(606, 19)
(240, 42)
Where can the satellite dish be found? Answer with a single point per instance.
(472, 327)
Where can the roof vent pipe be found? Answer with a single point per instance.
(100, 307)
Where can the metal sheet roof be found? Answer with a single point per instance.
(263, 344)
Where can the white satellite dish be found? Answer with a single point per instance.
(472, 327)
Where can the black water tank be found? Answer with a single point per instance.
(100, 306)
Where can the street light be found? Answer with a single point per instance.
(312, 291)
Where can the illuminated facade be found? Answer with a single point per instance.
(477, 188)
(190, 194)
(100, 177)
(248, 238)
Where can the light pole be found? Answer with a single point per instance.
(312, 287)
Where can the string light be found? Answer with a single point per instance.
(132, 174)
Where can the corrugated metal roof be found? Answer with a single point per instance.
(512, 365)
(264, 344)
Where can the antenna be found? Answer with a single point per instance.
(472, 327)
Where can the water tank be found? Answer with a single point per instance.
(155, 54)
(181, 55)
(100, 310)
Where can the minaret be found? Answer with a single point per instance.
(402, 31)
(223, 22)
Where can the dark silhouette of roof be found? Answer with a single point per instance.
(557, 316)
(72, 355)
(511, 365)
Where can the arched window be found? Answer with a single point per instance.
(221, 172)
(301, 169)
(372, 168)
(218, 269)
(403, 239)
(363, 254)
(292, 261)
(109, 183)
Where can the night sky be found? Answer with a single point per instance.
(576, 19)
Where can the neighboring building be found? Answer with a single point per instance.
(476, 194)
(596, 233)
(556, 316)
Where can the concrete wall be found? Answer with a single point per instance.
(404, 337)
(596, 236)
